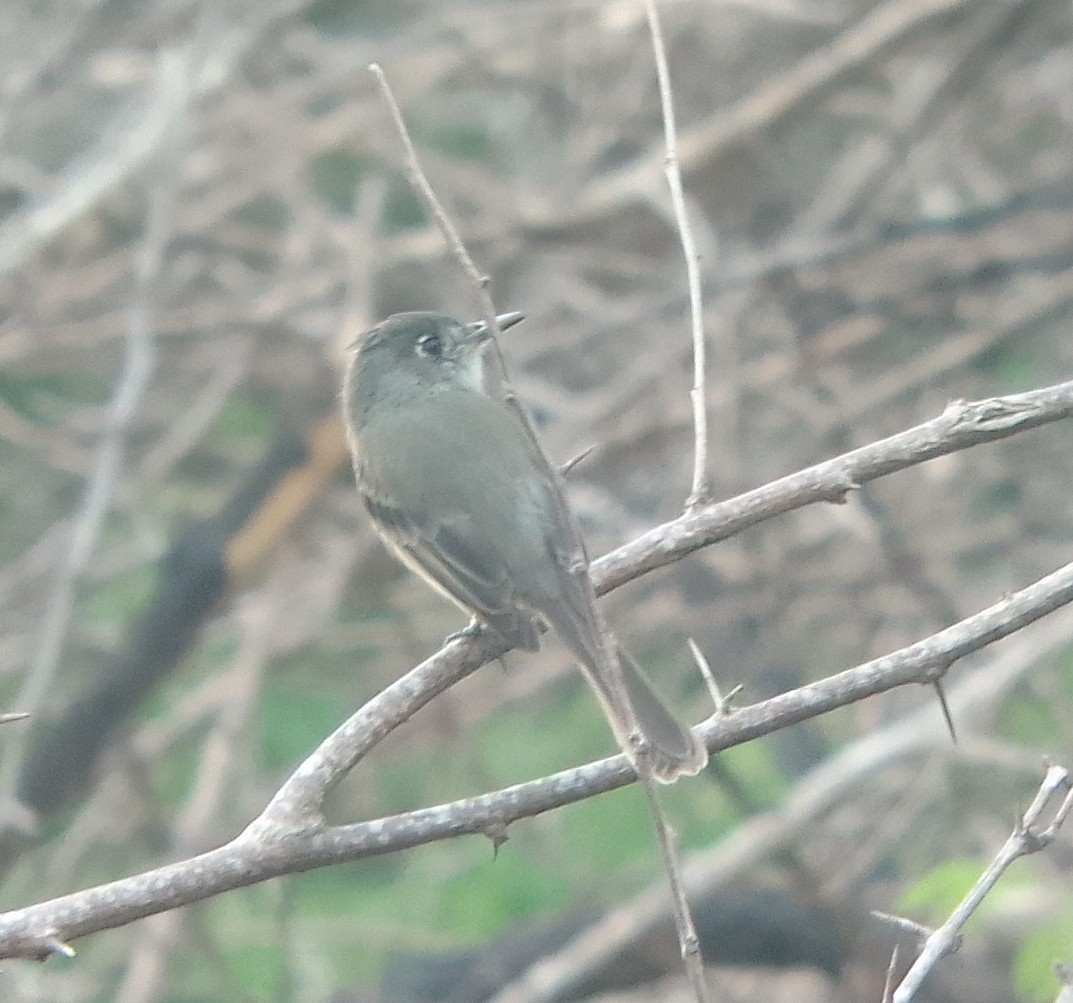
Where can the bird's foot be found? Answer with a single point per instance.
(471, 631)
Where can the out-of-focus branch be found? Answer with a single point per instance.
(174, 96)
(127, 148)
(265, 849)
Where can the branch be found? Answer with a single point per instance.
(770, 833)
(961, 425)
(701, 491)
(264, 851)
(290, 837)
(1024, 840)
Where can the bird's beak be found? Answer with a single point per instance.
(479, 329)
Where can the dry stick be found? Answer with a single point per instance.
(126, 148)
(888, 982)
(296, 805)
(1023, 841)
(289, 835)
(420, 185)
(881, 29)
(687, 934)
(262, 852)
(688, 941)
(480, 283)
(701, 491)
(812, 797)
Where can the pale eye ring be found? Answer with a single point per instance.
(430, 345)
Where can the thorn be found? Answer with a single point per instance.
(497, 835)
(721, 703)
(909, 926)
(574, 461)
(52, 945)
(947, 716)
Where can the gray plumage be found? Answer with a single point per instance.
(459, 490)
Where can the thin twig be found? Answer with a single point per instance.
(131, 143)
(719, 701)
(421, 186)
(963, 424)
(574, 548)
(1024, 839)
(770, 833)
(266, 850)
(701, 491)
(888, 982)
(688, 941)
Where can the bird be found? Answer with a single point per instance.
(449, 469)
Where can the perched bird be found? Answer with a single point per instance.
(458, 488)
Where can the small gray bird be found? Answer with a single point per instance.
(458, 488)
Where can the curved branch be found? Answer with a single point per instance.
(289, 835)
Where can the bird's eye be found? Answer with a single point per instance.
(430, 345)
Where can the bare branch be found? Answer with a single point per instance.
(1024, 839)
(765, 835)
(268, 848)
(685, 928)
(420, 184)
(961, 425)
(701, 491)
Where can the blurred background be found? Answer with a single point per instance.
(201, 205)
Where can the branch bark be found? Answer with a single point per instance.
(289, 836)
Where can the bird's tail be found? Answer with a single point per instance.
(671, 748)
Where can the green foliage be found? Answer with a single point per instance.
(247, 925)
(1030, 719)
(996, 497)
(244, 417)
(340, 18)
(293, 720)
(39, 396)
(174, 775)
(1009, 367)
(1033, 976)
(934, 895)
(116, 600)
(464, 141)
(336, 176)
(403, 210)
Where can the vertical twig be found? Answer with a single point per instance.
(420, 185)
(701, 490)
(687, 936)
(688, 941)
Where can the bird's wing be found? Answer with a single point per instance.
(449, 556)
